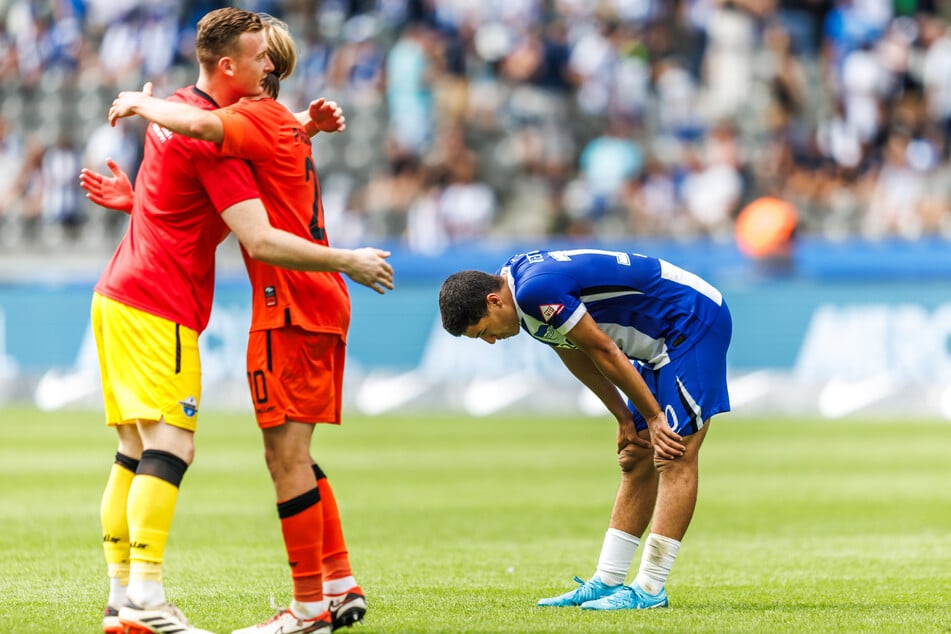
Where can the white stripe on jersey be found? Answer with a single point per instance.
(637, 345)
(576, 316)
(595, 297)
(676, 274)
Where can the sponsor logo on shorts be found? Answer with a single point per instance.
(189, 406)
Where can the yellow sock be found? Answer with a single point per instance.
(115, 526)
(152, 499)
(151, 508)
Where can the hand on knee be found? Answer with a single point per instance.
(686, 463)
(664, 464)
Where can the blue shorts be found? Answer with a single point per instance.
(692, 387)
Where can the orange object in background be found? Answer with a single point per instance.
(764, 228)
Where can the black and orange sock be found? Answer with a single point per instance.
(302, 526)
(336, 559)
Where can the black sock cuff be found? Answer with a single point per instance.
(319, 473)
(163, 465)
(299, 504)
(127, 462)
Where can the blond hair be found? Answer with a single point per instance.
(280, 50)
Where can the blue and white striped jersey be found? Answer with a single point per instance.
(652, 309)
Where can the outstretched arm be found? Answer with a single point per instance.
(177, 117)
(249, 222)
(617, 368)
(322, 116)
(111, 193)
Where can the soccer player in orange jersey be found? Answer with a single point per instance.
(297, 340)
(154, 299)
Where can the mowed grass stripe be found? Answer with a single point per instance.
(459, 525)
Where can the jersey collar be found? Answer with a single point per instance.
(204, 95)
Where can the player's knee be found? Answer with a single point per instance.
(270, 456)
(683, 462)
(631, 457)
(664, 464)
(282, 461)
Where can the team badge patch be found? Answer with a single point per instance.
(550, 310)
(189, 406)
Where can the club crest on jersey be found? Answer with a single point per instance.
(550, 310)
(189, 406)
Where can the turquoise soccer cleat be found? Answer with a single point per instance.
(631, 597)
(587, 591)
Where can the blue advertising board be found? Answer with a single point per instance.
(838, 310)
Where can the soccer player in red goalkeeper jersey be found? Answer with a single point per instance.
(147, 335)
(297, 340)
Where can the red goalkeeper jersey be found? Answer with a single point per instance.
(165, 263)
(268, 135)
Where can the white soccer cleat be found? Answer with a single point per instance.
(162, 619)
(110, 621)
(286, 622)
(348, 608)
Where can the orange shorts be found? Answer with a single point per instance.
(295, 375)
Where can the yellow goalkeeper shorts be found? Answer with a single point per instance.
(150, 366)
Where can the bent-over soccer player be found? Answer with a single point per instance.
(628, 322)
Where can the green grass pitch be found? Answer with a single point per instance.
(459, 525)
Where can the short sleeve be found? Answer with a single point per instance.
(552, 299)
(247, 133)
(226, 180)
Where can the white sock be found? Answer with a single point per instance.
(117, 593)
(656, 562)
(309, 609)
(338, 586)
(616, 555)
(145, 593)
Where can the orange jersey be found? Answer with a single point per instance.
(268, 135)
(165, 263)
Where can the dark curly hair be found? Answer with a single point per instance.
(462, 299)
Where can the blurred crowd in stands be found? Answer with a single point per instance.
(522, 119)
